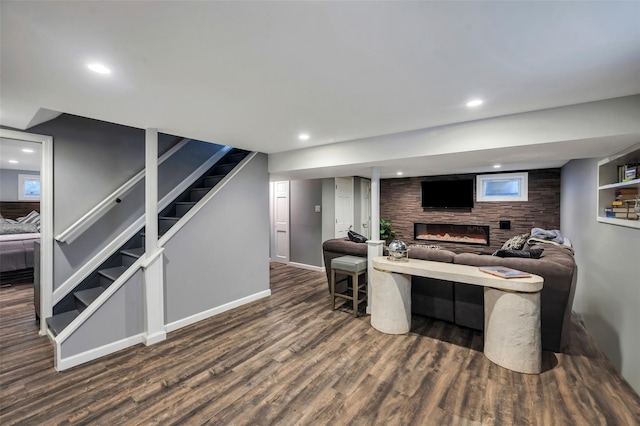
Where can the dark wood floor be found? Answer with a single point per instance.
(289, 359)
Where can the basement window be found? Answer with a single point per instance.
(28, 187)
(503, 187)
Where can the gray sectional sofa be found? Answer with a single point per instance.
(463, 304)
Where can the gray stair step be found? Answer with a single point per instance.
(129, 256)
(196, 194)
(223, 169)
(112, 273)
(235, 158)
(213, 180)
(165, 223)
(59, 322)
(86, 297)
(183, 207)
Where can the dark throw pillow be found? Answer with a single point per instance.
(526, 254)
(515, 243)
(356, 238)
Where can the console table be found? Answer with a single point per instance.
(511, 307)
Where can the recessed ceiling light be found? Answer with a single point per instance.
(13, 161)
(27, 150)
(475, 103)
(399, 173)
(496, 166)
(303, 136)
(99, 68)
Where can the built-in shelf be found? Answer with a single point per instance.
(634, 182)
(608, 184)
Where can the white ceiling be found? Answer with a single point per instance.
(11, 149)
(256, 74)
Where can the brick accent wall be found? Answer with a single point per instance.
(400, 203)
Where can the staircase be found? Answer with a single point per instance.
(96, 283)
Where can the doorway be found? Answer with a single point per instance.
(281, 221)
(46, 219)
(344, 206)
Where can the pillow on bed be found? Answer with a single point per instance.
(18, 228)
(33, 217)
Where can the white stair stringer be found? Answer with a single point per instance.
(204, 200)
(92, 264)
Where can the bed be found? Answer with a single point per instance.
(17, 247)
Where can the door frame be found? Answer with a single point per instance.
(46, 220)
(365, 205)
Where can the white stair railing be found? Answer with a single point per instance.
(79, 226)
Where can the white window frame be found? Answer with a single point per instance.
(21, 195)
(523, 181)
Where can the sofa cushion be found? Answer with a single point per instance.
(344, 246)
(437, 255)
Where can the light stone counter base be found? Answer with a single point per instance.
(391, 302)
(512, 336)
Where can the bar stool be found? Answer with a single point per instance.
(353, 267)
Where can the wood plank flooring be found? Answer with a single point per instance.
(290, 360)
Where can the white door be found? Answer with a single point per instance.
(344, 206)
(365, 207)
(281, 221)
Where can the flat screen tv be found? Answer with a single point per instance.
(447, 194)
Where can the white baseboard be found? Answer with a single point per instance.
(305, 266)
(150, 339)
(90, 355)
(175, 325)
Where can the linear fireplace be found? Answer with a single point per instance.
(464, 234)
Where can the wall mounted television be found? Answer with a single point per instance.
(447, 194)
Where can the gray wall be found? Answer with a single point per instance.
(222, 254)
(120, 317)
(328, 209)
(608, 288)
(305, 222)
(92, 159)
(9, 183)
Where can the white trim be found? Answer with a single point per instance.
(522, 177)
(151, 192)
(92, 216)
(95, 353)
(46, 220)
(307, 267)
(152, 339)
(175, 325)
(128, 233)
(154, 299)
(200, 204)
(100, 300)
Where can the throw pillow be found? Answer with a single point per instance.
(526, 254)
(33, 217)
(356, 238)
(515, 243)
